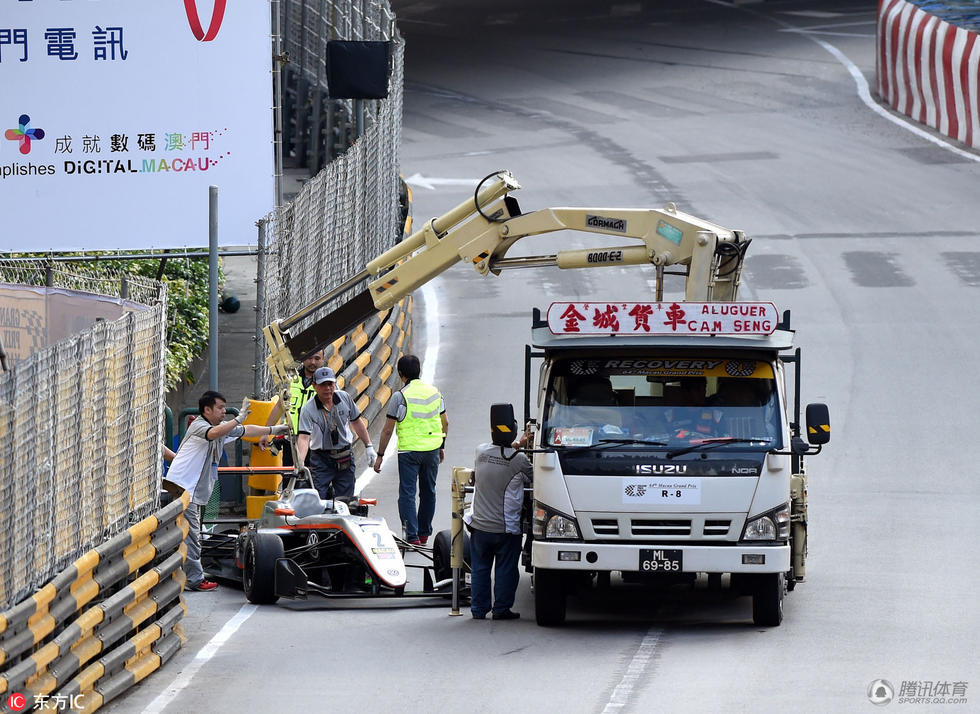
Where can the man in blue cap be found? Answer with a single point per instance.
(327, 425)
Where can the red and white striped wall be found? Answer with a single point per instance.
(927, 70)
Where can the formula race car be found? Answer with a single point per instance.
(303, 544)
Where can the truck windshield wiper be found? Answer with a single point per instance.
(606, 443)
(711, 443)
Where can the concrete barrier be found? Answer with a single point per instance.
(927, 70)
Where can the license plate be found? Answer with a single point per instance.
(657, 560)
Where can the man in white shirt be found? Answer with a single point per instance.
(195, 469)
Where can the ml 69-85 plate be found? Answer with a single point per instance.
(660, 560)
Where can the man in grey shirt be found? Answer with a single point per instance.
(500, 474)
(327, 425)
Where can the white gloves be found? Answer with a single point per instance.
(244, 411)
(372, 455)
(279, 430)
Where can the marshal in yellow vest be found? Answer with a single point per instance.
(298, 396)
(421, 429)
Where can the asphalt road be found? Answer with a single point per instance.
(867, 231)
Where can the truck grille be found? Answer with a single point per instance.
(605, 527)
(717, 528)
(654, 528)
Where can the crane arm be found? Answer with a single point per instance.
(481, 231)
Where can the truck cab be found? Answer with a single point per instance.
(667, 458)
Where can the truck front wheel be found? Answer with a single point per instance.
(767, 600)
(549, 597)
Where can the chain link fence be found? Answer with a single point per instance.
(317, 128)
(349, 212)
(80, 415)
(81, 409)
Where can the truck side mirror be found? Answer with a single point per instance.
(817, 423)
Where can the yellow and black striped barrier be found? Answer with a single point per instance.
(51, 646)
(364, 359)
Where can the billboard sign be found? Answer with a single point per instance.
(117, 115)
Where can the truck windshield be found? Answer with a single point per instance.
(675, 401)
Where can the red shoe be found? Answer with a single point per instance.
(204, 585)
(423, 539)
(414, 541)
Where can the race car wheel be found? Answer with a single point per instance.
(549, 597)
(441, 552)
(259, 576)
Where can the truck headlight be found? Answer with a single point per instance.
(550, 524)
(773, 525)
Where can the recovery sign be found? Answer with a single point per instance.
(662, 318)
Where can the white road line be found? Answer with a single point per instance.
(431, 333)
(200, 659)
(367, 475)
(864, 93)
(828, 33)
(428, 372)
(834, 26)
(636, 671)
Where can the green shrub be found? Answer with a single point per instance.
(187, 301)
(187, 308)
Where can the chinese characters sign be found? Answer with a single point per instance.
(116, 116)
(662, 318)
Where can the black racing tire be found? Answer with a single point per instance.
(549, 597)
(259, 576)
(441, 552)
(767, 600)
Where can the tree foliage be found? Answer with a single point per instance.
(187, 302)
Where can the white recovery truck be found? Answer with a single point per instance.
(667, 440)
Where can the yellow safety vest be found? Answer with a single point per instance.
(421, 429)
(298, 396)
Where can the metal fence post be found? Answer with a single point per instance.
(259, 312)
(277, 61)
(213, 287)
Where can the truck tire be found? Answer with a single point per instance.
(259, 575)
(767, 601)
(441, 552)
(549, 597)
